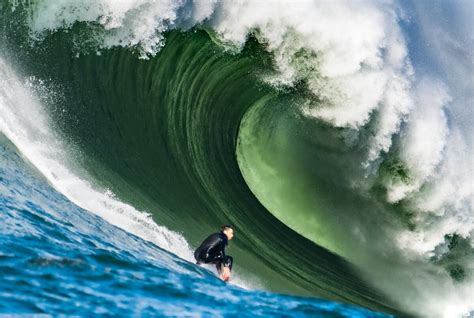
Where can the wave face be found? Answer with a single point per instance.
(322, 132)
(59, 259)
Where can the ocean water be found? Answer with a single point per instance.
(332, 136)
(57, 258)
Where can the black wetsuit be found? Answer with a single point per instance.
(212, 251)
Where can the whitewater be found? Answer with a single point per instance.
(335, 136)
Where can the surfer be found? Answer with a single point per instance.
(212, 251)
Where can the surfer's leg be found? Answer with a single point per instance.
(198, 257)
(228, 260)
(226, 268)
(219, 268)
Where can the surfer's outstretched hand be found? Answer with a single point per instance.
(225, 275)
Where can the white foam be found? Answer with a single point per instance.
(424, 139)
(361, 63)
(126, 23)
(361, 59)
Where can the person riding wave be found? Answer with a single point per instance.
(212, 251)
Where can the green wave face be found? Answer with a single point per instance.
(162, 135)
(196, 138)
(303, 172)
(332, 156)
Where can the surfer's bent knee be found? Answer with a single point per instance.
(228, 261)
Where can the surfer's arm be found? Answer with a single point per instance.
(214, 244)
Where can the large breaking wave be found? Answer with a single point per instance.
(336, 118)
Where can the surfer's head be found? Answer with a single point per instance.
(228, 231)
